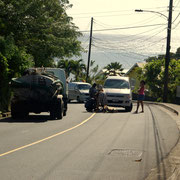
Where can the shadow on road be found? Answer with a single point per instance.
(29, 119)
(75, 102)
(113, 111)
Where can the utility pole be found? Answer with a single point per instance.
(167, 57)
(89, 54)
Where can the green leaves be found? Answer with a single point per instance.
(41, 27)
(153, 74)
(114, 68)
(34, 32)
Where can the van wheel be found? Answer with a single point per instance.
(129, 108)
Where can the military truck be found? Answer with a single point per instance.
(38, 91)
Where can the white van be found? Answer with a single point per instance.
(78, 91)
(118, 92)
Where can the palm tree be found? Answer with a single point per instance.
(78, 69)
(114, 68)
(67, 65)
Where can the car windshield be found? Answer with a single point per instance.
(116, 84)
(84, 86)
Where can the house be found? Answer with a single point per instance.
(132, 74)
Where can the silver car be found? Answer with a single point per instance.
(78, 91)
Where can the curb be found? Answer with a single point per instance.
(163, 105)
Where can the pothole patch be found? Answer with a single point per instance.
(136, 155)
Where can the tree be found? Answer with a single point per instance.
(35, 30)
(177, 55)
(114, 68)
(79, 69)
(153, 74)
(41, 27)
(13, 61)
(67, 65)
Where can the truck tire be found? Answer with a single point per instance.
(17, 111)
(52, 114)
(53, 110)
(65, 102)
(79, 100)
(59, 109)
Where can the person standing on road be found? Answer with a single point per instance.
(141, 95)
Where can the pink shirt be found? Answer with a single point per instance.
(141, 91)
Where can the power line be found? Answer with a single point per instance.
(130, 27)
(140, 22)
(105, 12)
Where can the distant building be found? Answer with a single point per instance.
(131, 73)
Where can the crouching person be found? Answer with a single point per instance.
(102, 99)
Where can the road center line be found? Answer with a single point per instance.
(47, 138)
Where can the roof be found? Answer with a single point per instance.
(118, 77)
(138, 64)
(78, 83)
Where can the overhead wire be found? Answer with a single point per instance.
(105, 12)
(137, 36)
(109, 57)
(121, 28)
(140, 22)
(102, 44)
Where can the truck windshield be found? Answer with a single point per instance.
(116, 84)
(83, 86)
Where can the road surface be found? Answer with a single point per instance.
(86, 146)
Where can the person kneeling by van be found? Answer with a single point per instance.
(102, 99)
(93, 91)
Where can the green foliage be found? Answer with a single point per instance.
(41, 27)
(79, 69)
(76, 67)
(34, 32)
(177, 56)
(17, 59)
(153, 74)
(13, 61)
(114, 68)
(67, 65)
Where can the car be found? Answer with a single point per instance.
(118, 91)
(78, 91)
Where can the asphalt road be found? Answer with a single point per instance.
(86, 146)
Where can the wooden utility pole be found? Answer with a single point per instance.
(167, 58)
(89, 54)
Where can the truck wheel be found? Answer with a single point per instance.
(129, 108)
(17, 111)
(59, 109)
(78, 100)
(64, 112)
(52, 114)
(16, 114)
